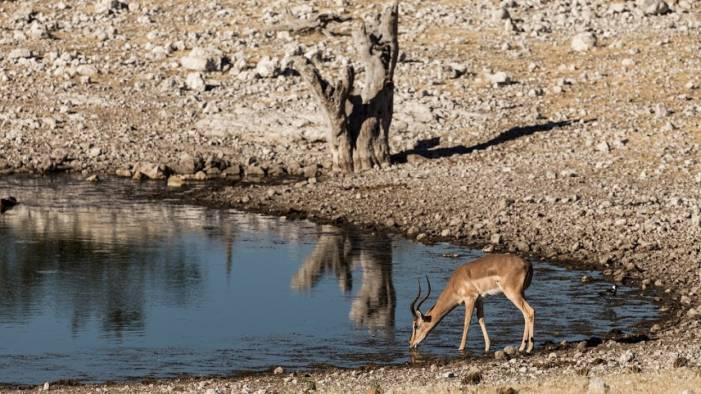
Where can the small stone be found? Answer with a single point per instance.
(267, 68)
(92, 178)
(152, 171)
(123, 173)
(661, 111)
(680, 362)
(507, 390)
(448, 375)
(499, 355)
(626, 357)
(510, 350)
(46, 386)
(94, 152)
(200, 176)
(86, 70)
(653, 7)
(583, 42)
(603, 147)
(19, 53)
(255, 170)
(522, 246)
(597, 385)
(195, 81)
(500, 14)
(203, 59)
(109, 6)
(278, 371)
(311, 171)
(473, 376)
(499, 78)
(176, 181)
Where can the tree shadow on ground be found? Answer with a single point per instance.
(424, 148)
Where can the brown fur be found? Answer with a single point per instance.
(469, 284)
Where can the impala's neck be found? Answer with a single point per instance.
(444, 304)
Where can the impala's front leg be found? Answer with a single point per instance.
(469, 307)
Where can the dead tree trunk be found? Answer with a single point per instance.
(358, 134)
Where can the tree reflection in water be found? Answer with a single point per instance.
(338, 252)
(103, 264)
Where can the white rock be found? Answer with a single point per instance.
(617, 8)
(19, 53)
(603, 146)
(38, 31)
(194, 81)
(653, 7)
(499, 78)
(109, 6)
(267, 67)
(86, 70)
(597, 385)
(203, 59)
(501, 13)
(583, 42)
(626, 357)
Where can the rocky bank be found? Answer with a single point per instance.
(566, 130)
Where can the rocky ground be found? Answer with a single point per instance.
(567, 130)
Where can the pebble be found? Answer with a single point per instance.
(597, 385)
(583, 42)
(202, 59)
(195, 81)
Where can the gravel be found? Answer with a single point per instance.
(504, 138)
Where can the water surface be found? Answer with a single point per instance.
(105, 282)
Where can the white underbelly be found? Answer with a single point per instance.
(491, 292)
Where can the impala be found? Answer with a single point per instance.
(488, 275)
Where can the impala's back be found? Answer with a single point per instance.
(491, 274)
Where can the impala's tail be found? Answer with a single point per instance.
(529, 276)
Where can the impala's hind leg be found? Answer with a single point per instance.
(480, 319)
(528, 318)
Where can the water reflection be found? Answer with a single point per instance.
(106, 282)
(44, 250)
(338, 252)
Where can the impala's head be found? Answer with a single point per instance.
(422, 324)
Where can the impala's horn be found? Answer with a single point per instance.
(414, 310)
(427, 295)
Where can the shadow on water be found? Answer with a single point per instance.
(101, 282)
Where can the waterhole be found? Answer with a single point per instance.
(106, 282)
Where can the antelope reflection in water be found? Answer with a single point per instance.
(339, 251)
